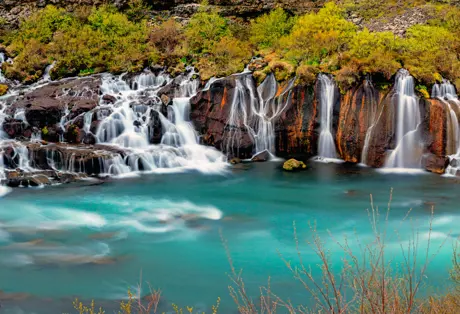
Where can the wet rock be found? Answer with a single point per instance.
(89, 139)
(15, 128)
(262, 156)
(210, 112)
(16, 179)
(155, 128)
(165, 99)
(436, 164)
(235, 161)
(45, 106)
(358, 112)
(293, 165)
(296, 129)
(109, 99)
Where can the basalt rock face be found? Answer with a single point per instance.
(211, 110)
(359, 112)
(44, 106)
(226, 114)
(296, 131)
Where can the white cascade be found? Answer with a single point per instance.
(446, 93)
(327, 96)
(409, 147)
(256, 110)
(2, 59)
(128, 126)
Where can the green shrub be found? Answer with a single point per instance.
(205, 30)
(316, 36)
(267, 29)
(228, 56)
(429, 50)
(3, 89)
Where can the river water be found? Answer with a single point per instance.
(93, 240)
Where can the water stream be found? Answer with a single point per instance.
(446, 93)
(326, 144)
(256, 109)
(408, 150)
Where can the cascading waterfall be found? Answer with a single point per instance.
(129, 126)
(256, 110)
(326, 144)
(408, 150)
(125, 128)
(2, 59)
(446, 93)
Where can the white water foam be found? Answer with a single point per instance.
(409, 146)
(326, 143)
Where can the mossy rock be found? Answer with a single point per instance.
(293, 165)
(3, 89)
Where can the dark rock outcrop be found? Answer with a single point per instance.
(45, 106)
(296, 131)
(210, 114)
(358, 112)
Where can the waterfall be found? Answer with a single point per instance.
(408, 151)
(256, 110)
(2, 59)
(326, 144)
(130, 120)
(124, 131)
(446, 93)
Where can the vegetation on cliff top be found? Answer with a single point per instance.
(103, 39)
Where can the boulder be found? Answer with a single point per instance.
(235, 161)
(109, 99)
(293, 165)
(262, 156)
(435, 164)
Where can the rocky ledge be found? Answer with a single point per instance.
(232, 114)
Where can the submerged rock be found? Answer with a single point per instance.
(293, 164)
(235, 161)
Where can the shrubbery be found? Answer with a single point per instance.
(103, 39)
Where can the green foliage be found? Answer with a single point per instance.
(3, 89)
(45, 131)
(422, 89)
(267, 29)
(316, 36)
(429, 50)
(137, 10)
(226, 57)
(206, 28)
(92, 40)
(105, 40)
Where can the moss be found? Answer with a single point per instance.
(282, 70)
(3, 89)
(259, 76)
(45, 131)
(306, 74)
(293, 164)
(423, 90)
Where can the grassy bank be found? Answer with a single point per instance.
(93, 40)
